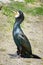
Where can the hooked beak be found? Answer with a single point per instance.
(16, 14)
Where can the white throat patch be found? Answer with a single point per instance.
(17, 15)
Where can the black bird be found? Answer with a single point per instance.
(22, 42)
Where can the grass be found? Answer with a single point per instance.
(30, 1)
(37, 11)
(13, 6)
(7, 10)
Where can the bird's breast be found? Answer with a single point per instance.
(16, 32)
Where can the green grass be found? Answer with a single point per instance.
(30, 1)
(7, 10)
(13, 6)
(37, 11)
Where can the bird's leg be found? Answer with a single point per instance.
(19, 50)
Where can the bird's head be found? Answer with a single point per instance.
(19, 15)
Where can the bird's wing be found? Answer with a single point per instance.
(24, 42)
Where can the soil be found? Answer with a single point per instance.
(33, 29)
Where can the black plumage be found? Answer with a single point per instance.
(22, 42)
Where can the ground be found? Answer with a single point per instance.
(33, 29)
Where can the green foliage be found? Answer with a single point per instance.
(31, 1)
(17, 6)
(37, 11)
(8, 12)
(13, 6)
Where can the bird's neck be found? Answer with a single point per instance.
(17, 23)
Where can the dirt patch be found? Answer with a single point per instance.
(33, 29)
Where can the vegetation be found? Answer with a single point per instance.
(31, 1)
(13, 6)
(8, 10)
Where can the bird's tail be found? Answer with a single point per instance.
(35, 56)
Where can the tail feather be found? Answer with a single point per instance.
(35, 56)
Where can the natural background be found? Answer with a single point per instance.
(32, 27)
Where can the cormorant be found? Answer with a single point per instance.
(22, 42)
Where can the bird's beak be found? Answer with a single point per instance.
(16, 13)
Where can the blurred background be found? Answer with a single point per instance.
(32, 27)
